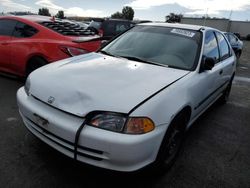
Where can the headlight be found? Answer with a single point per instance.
(112, 122)
(121, 123)
(27, 86)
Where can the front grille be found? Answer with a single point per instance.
(65, 144)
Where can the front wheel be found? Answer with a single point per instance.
(171, 143)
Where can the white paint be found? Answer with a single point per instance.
(11, 119)
(242, 79)
(98, 82)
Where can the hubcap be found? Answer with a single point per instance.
(173, 145)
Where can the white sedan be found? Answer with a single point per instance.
(128, 106)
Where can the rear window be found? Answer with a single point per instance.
(23, 30)
(67, 28)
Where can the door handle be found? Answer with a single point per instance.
(221, 71)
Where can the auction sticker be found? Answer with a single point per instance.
(183, 32)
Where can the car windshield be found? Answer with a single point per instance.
(171, 47)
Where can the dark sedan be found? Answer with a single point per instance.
(236, 44)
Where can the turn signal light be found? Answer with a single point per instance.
(139, 125)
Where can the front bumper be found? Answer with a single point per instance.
(105, 149)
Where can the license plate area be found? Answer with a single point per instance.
(41, 121)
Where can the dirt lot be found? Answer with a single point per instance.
(216, 152)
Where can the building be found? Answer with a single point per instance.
(241, 27)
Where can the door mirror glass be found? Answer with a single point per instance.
(207, 63)
(104, 43)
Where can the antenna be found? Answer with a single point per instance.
(230, 15)
(205, 17)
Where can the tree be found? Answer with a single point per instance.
(128, 13)
(173, 18)
(117, 15)
(60, 14)
(44, 12)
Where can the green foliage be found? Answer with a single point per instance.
(127, 13)
(60, 14)
(173, 18)
(44, 12)
(117, 15)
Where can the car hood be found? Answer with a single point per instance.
(95, 81)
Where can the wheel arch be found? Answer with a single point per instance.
(187, 110)
(31, 58)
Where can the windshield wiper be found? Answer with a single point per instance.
(142, 60)
(107, 53)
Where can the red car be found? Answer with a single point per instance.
(29, 42)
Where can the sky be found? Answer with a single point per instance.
(154, 10)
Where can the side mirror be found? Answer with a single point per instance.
(104, 43)
(207, 63)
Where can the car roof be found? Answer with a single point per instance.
(120, 20)
(109, 19)
(228, 33)
(36, 18)
(64, 27)
(178, 25)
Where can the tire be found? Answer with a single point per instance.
(35, 63)
(171, 143)
(225, 96)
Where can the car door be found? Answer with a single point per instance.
(6, 30)
(226, 59)
(206, 84)
(21, 45)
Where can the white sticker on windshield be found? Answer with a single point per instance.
(183, 32)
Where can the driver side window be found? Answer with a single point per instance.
(211, 47)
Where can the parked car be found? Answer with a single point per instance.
(236, 43)
(237, 35)
(83, 25)
(108, 28)
(28, 42)
(129, 105)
